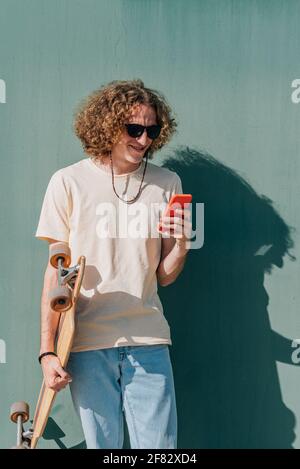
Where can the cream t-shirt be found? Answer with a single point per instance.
(118, 303)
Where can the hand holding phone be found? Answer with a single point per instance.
(177, 201)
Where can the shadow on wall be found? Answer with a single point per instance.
(224, 351)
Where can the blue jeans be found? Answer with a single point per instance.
(136, 380)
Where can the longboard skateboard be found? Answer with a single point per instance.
(63, 299)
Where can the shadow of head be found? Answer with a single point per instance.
(237, 219)
(227, 387)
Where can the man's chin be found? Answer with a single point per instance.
(135, 158)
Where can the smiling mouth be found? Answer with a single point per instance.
(137, 149)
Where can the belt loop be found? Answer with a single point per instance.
(121, 353)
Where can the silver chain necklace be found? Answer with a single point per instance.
(113, 182)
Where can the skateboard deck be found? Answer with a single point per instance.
(64, 299)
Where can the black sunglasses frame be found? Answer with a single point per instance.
(136, 130)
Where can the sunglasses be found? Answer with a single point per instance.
(136, 130)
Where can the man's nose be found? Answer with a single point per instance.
(143, 139)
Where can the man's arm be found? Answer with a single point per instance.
(172, 261)
(49, 317)
(174, 248)
(55, 376)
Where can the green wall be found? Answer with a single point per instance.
(226, 67)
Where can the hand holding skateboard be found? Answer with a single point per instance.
(55, 376)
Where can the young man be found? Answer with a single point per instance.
(120, 357)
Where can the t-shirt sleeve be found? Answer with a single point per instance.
(177, 186)
(54, 217)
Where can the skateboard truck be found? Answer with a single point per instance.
(19, 414)
(61, 296)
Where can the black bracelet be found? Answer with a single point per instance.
(46, 353)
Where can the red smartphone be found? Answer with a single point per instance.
(176, 199)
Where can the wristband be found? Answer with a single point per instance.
(44, 355)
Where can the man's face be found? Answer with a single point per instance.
(130, 148)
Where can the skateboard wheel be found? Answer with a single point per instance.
(19, 408)
(60, 299)
(60, 250)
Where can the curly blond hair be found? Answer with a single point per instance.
(99, 119)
